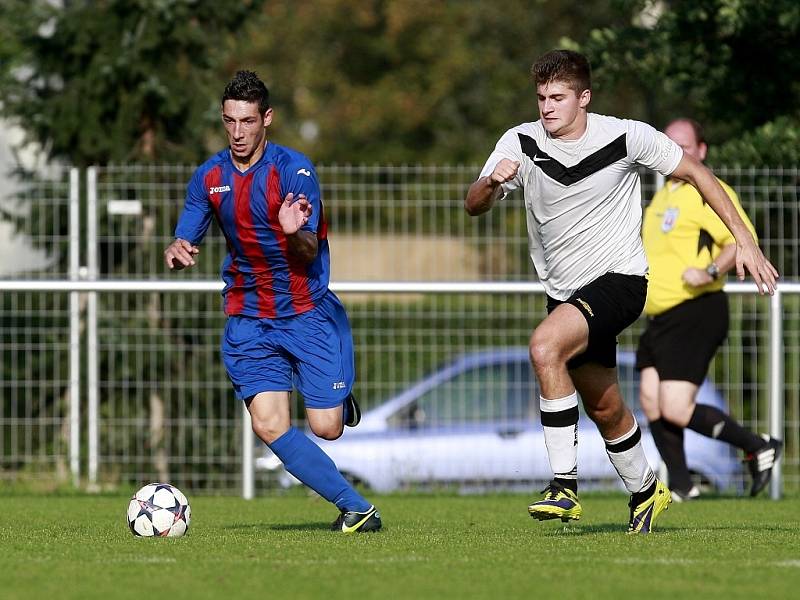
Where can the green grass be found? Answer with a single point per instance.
(433, 546)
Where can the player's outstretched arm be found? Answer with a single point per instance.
(748, 254)
(483, 192)
(180, 254)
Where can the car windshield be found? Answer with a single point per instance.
(488, 393)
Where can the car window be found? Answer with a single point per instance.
(489, 393)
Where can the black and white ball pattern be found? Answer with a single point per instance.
(159, 510)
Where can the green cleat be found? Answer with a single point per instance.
(558, 503)
(352, 521)
(644, 515)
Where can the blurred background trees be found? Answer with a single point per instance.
(387, 81)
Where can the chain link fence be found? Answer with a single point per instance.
(166, 410)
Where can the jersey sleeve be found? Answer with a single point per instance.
(652, 149)
(197, 214)
(716, 228)
(506, 147)
(300, 177)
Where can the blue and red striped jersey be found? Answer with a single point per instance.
(261, 278)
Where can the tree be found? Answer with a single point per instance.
(114, 80)
(411, 81)
(730, 64)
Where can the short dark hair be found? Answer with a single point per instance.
(246, 86)
(699, 134)
(563, 65)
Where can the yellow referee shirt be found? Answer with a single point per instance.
(681, 231)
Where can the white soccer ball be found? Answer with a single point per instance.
(159, 510)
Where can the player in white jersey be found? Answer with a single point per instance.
(578, 172)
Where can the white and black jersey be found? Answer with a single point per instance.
(583, 197)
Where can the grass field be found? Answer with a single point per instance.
(443, 546)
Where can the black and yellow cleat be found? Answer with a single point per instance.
(361, 522)
(644, 514)
(558, 503)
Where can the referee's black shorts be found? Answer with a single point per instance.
(609, 304)
(681, 341)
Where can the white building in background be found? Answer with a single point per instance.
(16, 252)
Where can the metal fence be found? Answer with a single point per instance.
(163, 404)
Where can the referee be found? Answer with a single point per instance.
(689, 249)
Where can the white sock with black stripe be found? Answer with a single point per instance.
(627, 456)
(560, 424)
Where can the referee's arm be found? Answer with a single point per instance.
(748, 254)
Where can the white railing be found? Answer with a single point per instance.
(93, 286)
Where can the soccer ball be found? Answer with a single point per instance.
(159, 510)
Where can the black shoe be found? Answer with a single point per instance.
(353, 410)
(352, 521)
(761, 462)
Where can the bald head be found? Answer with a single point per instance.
(688, 135)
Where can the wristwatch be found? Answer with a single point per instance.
(713, 270)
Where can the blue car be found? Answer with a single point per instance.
(474, 424)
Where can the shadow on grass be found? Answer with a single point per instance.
(280, 526)
(581, 530)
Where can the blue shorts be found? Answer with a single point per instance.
(312, 351)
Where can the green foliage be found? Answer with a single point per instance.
(94, 82)
(731, 64)
(776, 143)
(412, 81)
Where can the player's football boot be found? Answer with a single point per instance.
(558, 503)
(352, 521)
(352, 411)
(761, 462)
(685, 496)
(644, 514)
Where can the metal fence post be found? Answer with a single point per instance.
(248, 472)
(91, 322)
(776, 399)
(74, 328)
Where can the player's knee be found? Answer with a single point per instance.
(328, 431)
(676, 414)
(268, 429)
(544, 353)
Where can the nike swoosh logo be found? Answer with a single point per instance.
(539, 159)
(351, 529)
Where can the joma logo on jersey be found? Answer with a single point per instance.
(338, 385)
(221, 188)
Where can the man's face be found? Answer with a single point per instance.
(682, 133)
(245, 127)
(560, 106)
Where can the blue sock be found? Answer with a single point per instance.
(306, 461)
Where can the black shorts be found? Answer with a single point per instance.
(681, 341)
(609, 304)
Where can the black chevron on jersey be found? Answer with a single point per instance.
(704, 241)
(605, 156)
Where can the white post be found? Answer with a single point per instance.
(91, 323)
(248, 443)
(74, 329)
(776, 399)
